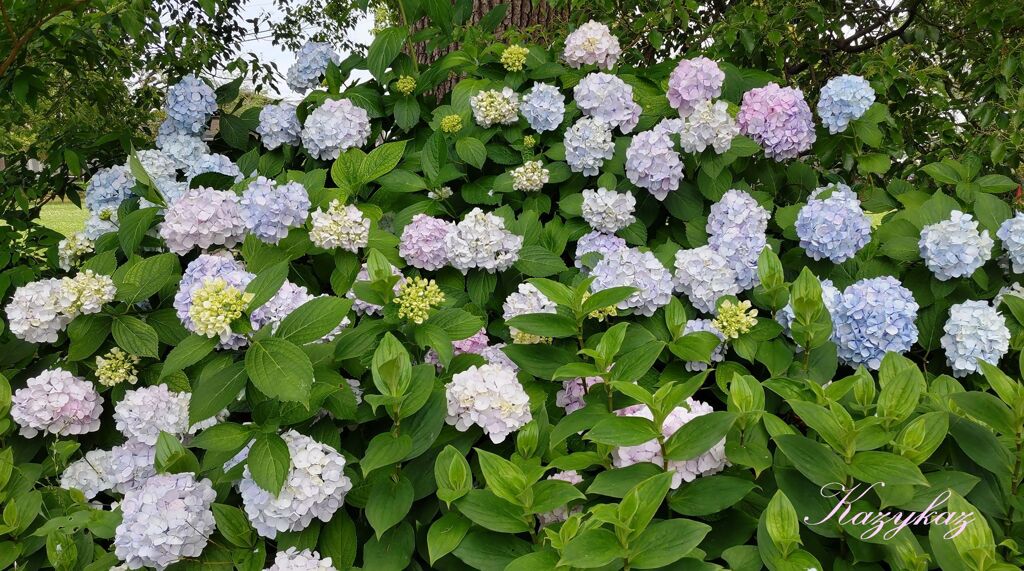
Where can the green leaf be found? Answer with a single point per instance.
(504, 478)
(489, 551)
(539, 262)
(544, 324)
(635, 364)
(942, 173)
(385, 47)
(235, 130)
(233, 524)
(223, 437)
(699, 435)
(445, 534)
(452, 474)
(871, 466)
(617, 482)
(385, 449)
(280, 369)
(338, 540)
(388, 504)
(381, 161)
(407, 113)
(401, 181)
(87, 333)
(392, 552)
(996, 183)
(313, 320)
(814, 460)
(144, 277)
(781, 522)
(472, 151)
(709, 495)
(592, 548)
(491, 512)
(133, 227)
(189, 352)
(135, 336)
(269, 462)
(695, 347)
(623, 431)
(213, 393)
(666, 542)
(607, 297)
(266, 284)
(173, 458)
(433, 156)
(877, 163)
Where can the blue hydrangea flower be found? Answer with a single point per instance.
(588, 144)
(310, 65)
(182, 148)
(108, 188)
(335, 126)
(215, 162)
(1011, 232)
(279, 125)
(270, 210)
(955, 248)
(190, 104)
(975, 331)
(632, 267)
(157, 164)
(596, 242)
(544, 107)
(736, 230)
(608, 99)
(844, 99)
(875, 316)
(833, 227)
(652, 163)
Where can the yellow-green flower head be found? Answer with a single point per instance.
(524, 338)
(529, 141)
(405, 85)
(215, 305)
(416, 297)
(735, 319)
(117, 367)
(451, 123)
(602, 313)
(514, 57)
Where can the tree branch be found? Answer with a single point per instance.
(7, 20)
(20, 43)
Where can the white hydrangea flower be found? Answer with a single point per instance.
(292, 559)
(131, 464)
(90, 474)
(490, 397)
(182, 148)
(166, 520)
(1011, 232)
(608, 211)
(71, 249)
(144, 412)
(315, 487)
(203, 217)
(528, 299)
(1015, 289)
(35, 312)
(641, 270)
(591, 44)
(711, 462)
(530, 177)
(562, 513)
(710, 125)
(340, 226)
(481, 241)
(56, 402)
(975, 331)
(86, 293)
(492, 107)
(335, 127)
(955, 248)
(704, 276)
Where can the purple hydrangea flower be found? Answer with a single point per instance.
(423, 242)
(208, 266)
(834, 227)
(736, 229)
(1011, 232)
(608, 99)
(591, 44)
(652, 163)
(203, 217)
(975, 332)
(693, 81)
(108, 188)
(955, 247)
(641, 270)
(270, 210)
(597, 242)
(216, 163)
(779, 120)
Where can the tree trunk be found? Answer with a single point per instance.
(521, 14)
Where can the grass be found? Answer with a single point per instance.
(64, 217)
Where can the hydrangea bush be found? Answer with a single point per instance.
(572, 315)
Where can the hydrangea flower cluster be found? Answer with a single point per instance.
(474, 344)
(708, 125)
(190, 104)
(694, 81)
(490, 397)
(203, 217)
(214, 163)
(292, 559)
(955, 247)
(975, 332)
(270, 210)
(737, 227)
(711, 462)
(608, 99)
(334, 127)
(778, 119)
(203, 268)
(416, 297)
(573, 391)
(131, 464)
(85, 293)
(215, 305)
(56, 402)
(182, 148)
(340, 226)
(117, 367)
(588, 144)
(704, 276)
(834, 227)
(422, 244)
(146, 411)
(530, 177)
(451, 123)
(166, 520)
(108, 188)
(528, 299)
(874, 316)
(844, 99)
(591, 44)
(162, 166)
(89, 474)
(608, 211)
(652, 163)
(405, 85)
(72, 249)
(492, 107)
(1014, 289)
(561, 513)
(513, 57)
(596, 242)
(735, 319)
(641, 270)
(315, 487)
(310, 65)
(364, 307)
(1011, 232)
(543, 107)
(706, 325)
(40, 310)
(481, 241)
(279, 125)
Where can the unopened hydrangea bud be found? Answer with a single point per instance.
(451, 123)
(117, 367)
(600, 313)
(56, 402)
(340, 226)
(735, 319)
(530, 177)
(490, 397)
(492, 107)
(514, 57)
(529, 142)
(215, 305)
(608, 211)
(405, 85)
(591, 44)
(955, 247)
(844, 99)
(70, 250)
(975, 332)
(416, 297)
(440, 193)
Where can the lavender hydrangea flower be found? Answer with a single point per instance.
(190, 104)
(310, 65)
(588, 144)
(711, 462)
(570, 397)
(709, 125)
(131, 464)
(704, 276)
(975, 332)
(591, 44)
(597, 242)
(145, 412)
(834, 227)
(543, 107)
(474, 344)
(182, 148)
(481, 241)
(271, 210)
(292, 559)
(778, 119)
(1011, 232)
(56, 402)
(652, 163)
(215, 163)
(844, 99)
(108, 188)
(36, 312)
(490, 397)
(422, 244)
(631, 267)
(203, 217)
(287, 299)
(608, 99)
(334, 127)
(736, 229)
(608, 211)
(955, 248)
(279, 125)
(89, 474)
(874, 317)
(718, 355)
(694, 81)
(203, 268)
(166, 520)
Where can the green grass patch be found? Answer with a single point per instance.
(64, 217)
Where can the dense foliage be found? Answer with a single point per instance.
(578, 314)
